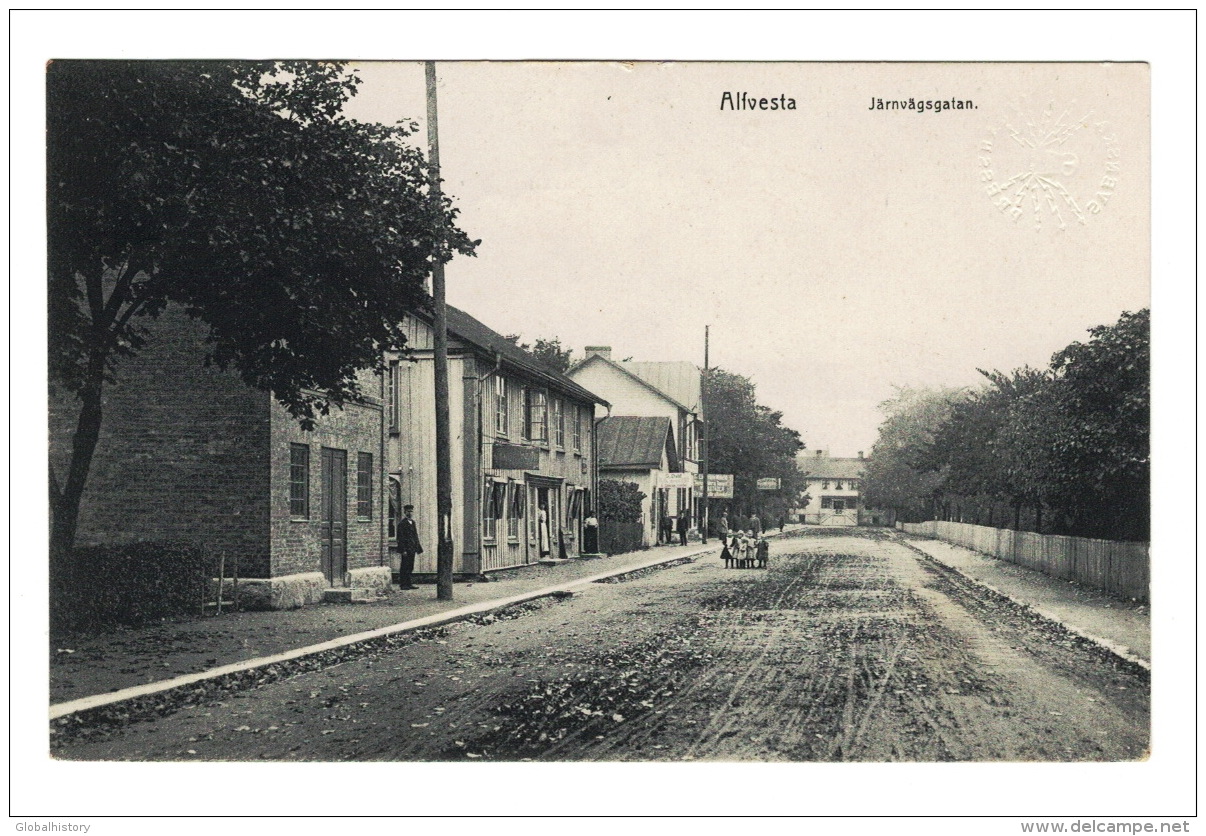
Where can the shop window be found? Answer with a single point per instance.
(515, 508)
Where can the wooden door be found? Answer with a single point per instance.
(334, 518)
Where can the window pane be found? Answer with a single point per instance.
(364, 486)
(299, 481)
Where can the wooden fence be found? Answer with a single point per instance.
(1117, 568)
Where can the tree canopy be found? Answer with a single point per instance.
(1062, 450)
(749, 440)
(547, 351)
(241, 193)
(895, 475)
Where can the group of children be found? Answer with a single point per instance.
(745, 550)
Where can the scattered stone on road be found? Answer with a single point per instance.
(849, 648)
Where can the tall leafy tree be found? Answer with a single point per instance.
(899, 475)
(547, 351)
(1099, 454)
(749, 440)
(239, 192)
(966, 447)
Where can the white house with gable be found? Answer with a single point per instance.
(672, 390)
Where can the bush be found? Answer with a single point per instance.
(620, 501)
(131, 583)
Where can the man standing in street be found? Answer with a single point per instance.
(682, 528)
(408, 545)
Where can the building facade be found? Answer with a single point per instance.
(670, 390)
(189, 452)
(833, 487)
(523, 450)
(640, 450)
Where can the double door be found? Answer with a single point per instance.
(333, 519)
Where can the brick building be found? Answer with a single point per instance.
(192, 453)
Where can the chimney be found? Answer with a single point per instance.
(603, 351)
(820, 453)
(860, 454)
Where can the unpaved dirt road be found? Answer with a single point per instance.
(849, 648)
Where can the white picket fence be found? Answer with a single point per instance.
(1122, 569)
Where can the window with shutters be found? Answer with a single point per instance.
(514, 510)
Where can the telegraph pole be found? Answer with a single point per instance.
(443, 450)
(703, 437)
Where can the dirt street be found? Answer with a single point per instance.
(849, 648)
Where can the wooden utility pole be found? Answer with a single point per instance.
(703, 438)
(444, 549)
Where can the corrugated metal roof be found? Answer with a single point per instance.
(678, 379)
(824, 467)
(635, 441)
(470, 330)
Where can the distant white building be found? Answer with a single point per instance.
(834, 487)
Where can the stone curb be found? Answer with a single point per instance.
(233, 671)
(1123, 653)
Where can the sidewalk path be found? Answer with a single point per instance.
(1122, 626)
(161, 656)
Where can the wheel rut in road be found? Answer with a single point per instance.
(847, 649)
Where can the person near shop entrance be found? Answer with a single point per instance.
(682, 529)
(408, 546)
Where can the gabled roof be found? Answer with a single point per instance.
(678, 379)
(620, 367)
(824, 467)
(469, 330)
(636, 441)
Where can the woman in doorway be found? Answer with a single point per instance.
(542, 530)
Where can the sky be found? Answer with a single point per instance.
(833, 250)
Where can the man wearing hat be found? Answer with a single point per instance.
(408, 545)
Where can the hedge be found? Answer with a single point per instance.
(128, 584)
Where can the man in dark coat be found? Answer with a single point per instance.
(683, 525)
(408, 545)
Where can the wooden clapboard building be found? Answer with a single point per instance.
(523, 449)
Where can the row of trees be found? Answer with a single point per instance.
(1060, 450)
(239, 192)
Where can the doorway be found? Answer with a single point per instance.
(333, 522)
